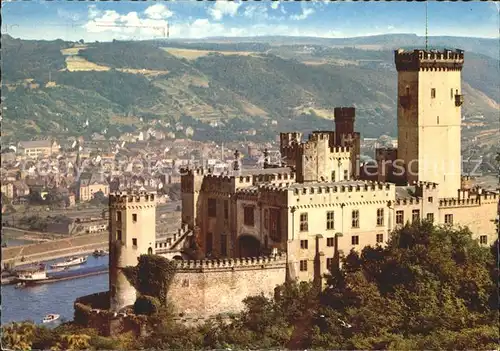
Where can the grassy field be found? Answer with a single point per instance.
(77, 63)
(193, 54)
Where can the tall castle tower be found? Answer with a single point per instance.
(429, 116)
(132, 232)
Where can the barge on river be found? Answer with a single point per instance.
(42, 276)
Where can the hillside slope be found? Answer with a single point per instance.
(286, 83)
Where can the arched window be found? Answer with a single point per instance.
(150, 251)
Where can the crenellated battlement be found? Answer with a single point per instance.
(167, 243)
(290, 138)
(122, 198)
(474, 200)
(247, 263)
(338, 187)
(419, 60)
(408, 201)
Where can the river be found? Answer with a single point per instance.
(33, 303)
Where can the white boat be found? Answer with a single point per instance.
(73, 261)
(31, 276)
(50, 318)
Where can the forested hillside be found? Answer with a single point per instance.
(54, 87)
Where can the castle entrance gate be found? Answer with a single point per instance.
(249, 246)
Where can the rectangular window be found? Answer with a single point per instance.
(303, 265)
(448, 219)
(118, 216)
(430, 199)
(119, 235)
(303, 222)
(355, 240)
(380, 238)
(330, 220)
(266, 218)
(415, 215)
(134, 217)
(430, 217)
(483, 239)
(330, 242)
(433, 93)
(304, 244)
(212, 208)
(355, 218)
(346, 174)
(223, 244)
(209, 242)
(274, 225)
(134, 241)
(451, 93)
(333, 176)
(380, 217)
(329, 263)
(400, 217)
(248, 215)
(226, 209)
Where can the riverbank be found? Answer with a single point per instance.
(55, 249)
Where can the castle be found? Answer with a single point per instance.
(258, 227)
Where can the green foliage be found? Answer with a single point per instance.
(31, 59)
(152, 276)
(146, 305)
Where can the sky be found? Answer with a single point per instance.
(105, 21)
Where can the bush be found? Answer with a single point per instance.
(146, 305)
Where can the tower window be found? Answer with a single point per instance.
(248, 215)
(134, 241)
(451, 93)
(346, 174)
(303, 266)
(333, 176)
(330, 220)
(433, 93)
(407, 91)
(118, 216)
(355, 240)
(483, 239)
(380, 217)
(355, 218)
(429, 199)
(119, 235)
(330, 242)
(380, 238)
(304, 244)
(226, 209)
(303, 222)
(437, 120)
(329, 263)
(134, 217)
(212, 208)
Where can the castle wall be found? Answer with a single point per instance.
(316, 201)
(205, 288)
(477, 214)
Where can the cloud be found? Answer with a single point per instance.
(93, 11)
(158, 11)
(256, 12)
(224, 8)
(67, 15)
(306, 12)
(275, 5)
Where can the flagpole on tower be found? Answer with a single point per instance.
(426, 27)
